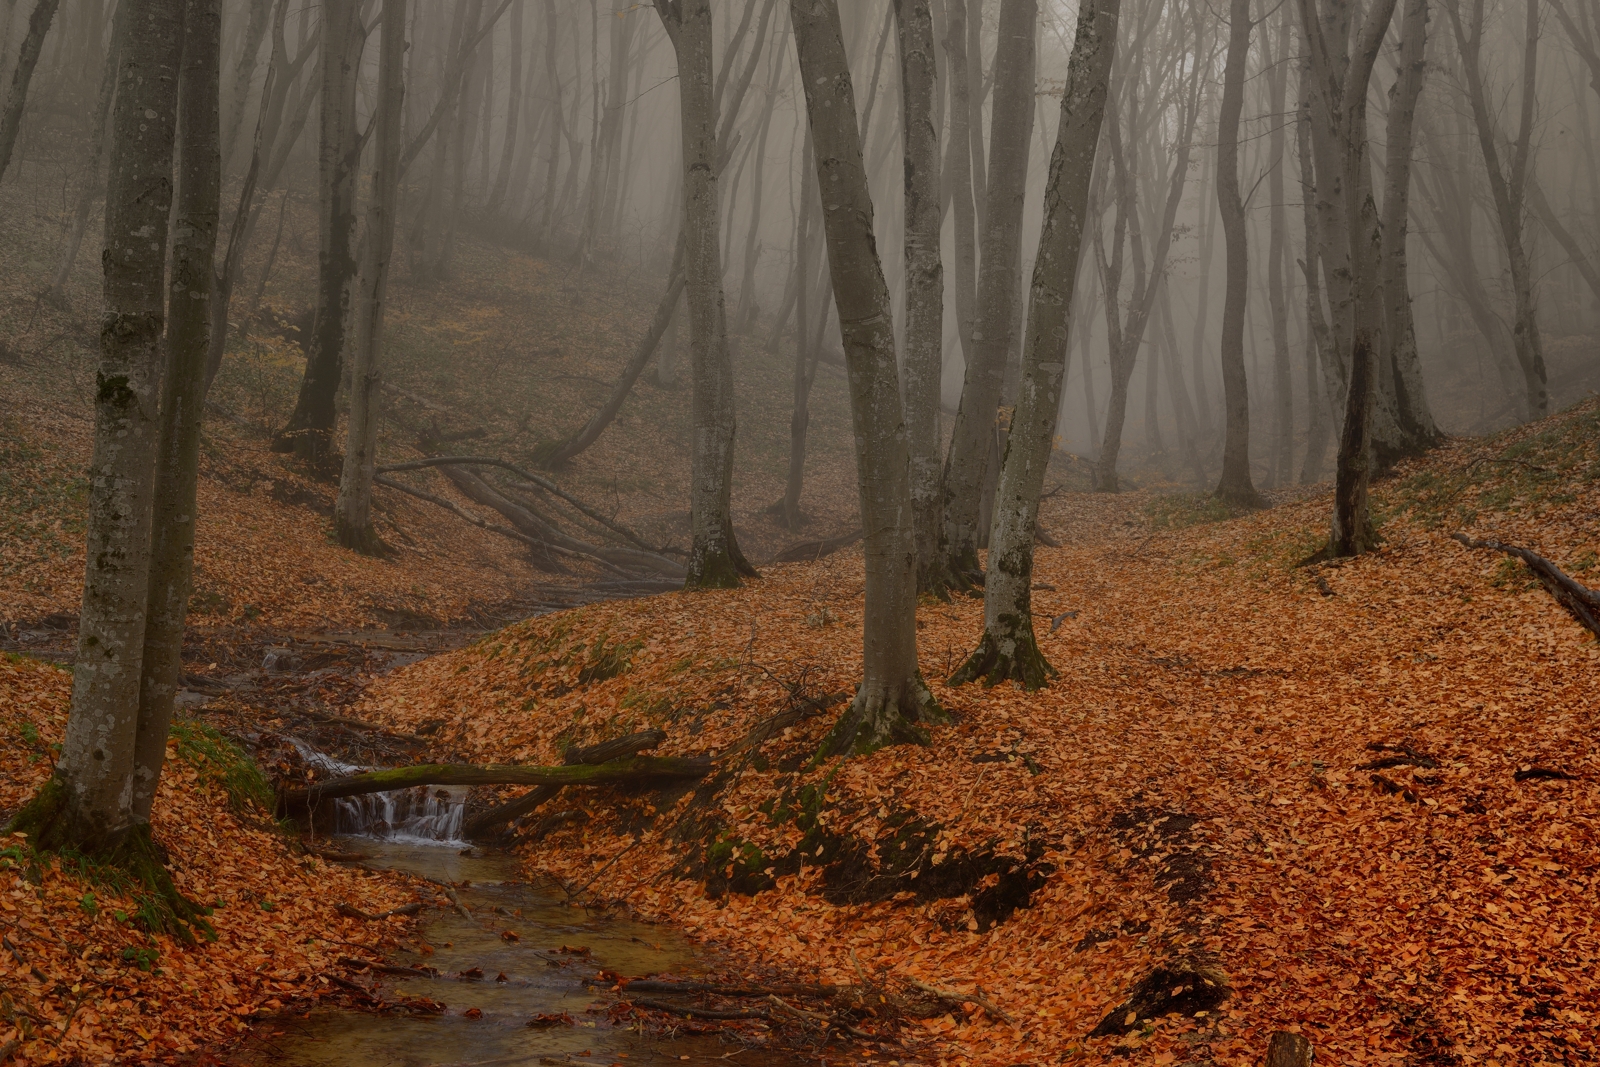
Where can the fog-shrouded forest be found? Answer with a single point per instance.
(670, 453)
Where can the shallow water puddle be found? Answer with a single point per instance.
(516, 930)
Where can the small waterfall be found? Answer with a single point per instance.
(419, 815)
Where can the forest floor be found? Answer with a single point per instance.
(1300, 795)
(1308, 787)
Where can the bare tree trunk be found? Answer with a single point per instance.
(1414, 421)
(745, 317)
(352, 512)
(255, 31)
(958, 173)
(924, 288)
(194, 241)
(309, 431)
(1319, 356)
(44, 13)
(1008, 649)
(508, 150)
(805, 344)
(553, 166)
(999, 288)
(1235, 485)
(714, 557)
(1507, 185)
(88, 803)
(1278, 238)
(892, 702)
(93, 186)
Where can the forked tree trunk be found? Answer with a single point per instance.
(194, 241)
(714, 557)
(44, 13)
(924, 288)
(892, 702)
(309, 431)
(999, 288)
(1008, 649)
(352, 512)
(1235, 485)
(88, 803)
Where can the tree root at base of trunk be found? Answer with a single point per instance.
(1010, 657)
(129, 862)
(876, 721)
(364, 540)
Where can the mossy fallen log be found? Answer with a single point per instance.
(633, 770)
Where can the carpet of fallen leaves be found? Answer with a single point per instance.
(1406, 914)
(80, 981)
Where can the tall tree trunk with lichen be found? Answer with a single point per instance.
(1008, 649)
(714, 557)
(194, 241)
(892, 704)
(88, 803)
(352, 512)
(924, 316)
(999, 286)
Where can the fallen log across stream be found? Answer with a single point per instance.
(590, 755)
(630, 770)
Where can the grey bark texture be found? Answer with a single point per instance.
(1008, 649)
(892, 703)
(194, 240)
(352, 512)
(714, 557)
(1235, 486)
(96, 765)
(924, 287)
(999, 287)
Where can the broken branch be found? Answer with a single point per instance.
(1581, 602)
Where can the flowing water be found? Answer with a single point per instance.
(523, 976)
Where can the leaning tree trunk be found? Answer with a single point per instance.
(714, 557)
(924, 287)
(44, 13)
(1009, 649)
(255, 31)
(352, 512)
(194, 242)
(999, 287)
(892, 702)
(88, 803)
(309, 431)
(1235, 486)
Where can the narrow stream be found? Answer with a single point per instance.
(517, 1012)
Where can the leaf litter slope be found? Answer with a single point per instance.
(81, 982)
(1430, 909)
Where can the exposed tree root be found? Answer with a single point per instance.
(1013, 656)
(877, 718)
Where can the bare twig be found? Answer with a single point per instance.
(953, 997)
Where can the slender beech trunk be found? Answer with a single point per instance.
(714, 557)
(258, 18)
(1507, 184)
(309, 431)
(508, 150)
(999, 288)
(194, 241)
(745, 318)
(1235, 485)
(892, 701)
(1416, 428)
(1277, 240)
(89, 802)
(924, 287)
(553, 150)
(1202, 302)
(44, 13)
(352, 512)
(805, 344)
(958, 173)
(93, 180)
(1009, 649)
(1319, 356)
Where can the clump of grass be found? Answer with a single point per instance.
(218, 759)
(1175, 511)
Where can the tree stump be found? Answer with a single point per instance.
(1289, 1050)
